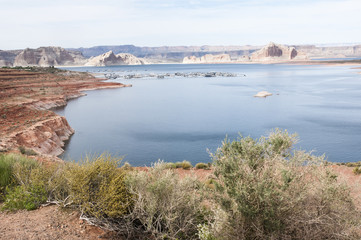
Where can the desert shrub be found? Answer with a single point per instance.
(351, 164)
(27, 151)
(170, 165)
(210, 183)
(263, 190)
(96, 186)
(24, 169)
(357, 170)
(6, 173)
(127, 166)
(165, 205)
(204, 232)
(22, 197)
(24, 187)
(202, 166)
(14, 170)
(186, 165)
(179, 164)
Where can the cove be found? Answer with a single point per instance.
(185, 118)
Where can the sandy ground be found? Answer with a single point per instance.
(48, 223)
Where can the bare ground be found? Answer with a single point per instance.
(49, 222)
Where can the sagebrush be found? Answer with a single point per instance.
(264, 190)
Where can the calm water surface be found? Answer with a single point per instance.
(180, 118)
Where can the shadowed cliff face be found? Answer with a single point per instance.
(274, 51)
(293, 53)
(7, 58)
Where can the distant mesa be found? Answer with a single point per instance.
(208, 58)
(48, 56)
(110, 59)
(276, 52)
(268, 54)
(57, 56)
(133, 55)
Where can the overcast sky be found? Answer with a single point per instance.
(86, 23)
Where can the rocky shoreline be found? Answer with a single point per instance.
(26, 100)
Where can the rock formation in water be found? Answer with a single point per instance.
(276, 52)
(110, 59)
(48, 56)
(263, 94)
(208, 58)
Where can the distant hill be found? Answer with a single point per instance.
(48, 56)
(178, 53)
(168, 53)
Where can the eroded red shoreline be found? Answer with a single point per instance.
(26, 98)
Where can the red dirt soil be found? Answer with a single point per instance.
(49, 222)
(27, 96)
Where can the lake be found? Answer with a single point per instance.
(184, 118)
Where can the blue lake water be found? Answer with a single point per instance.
(178, 118)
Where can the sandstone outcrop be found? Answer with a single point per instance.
(263, 94)
(110, 59)
(276, 53)
(243, 58)
(331, 51)
(24, 116)
(46, 137)
(48, 56)
(208, 58)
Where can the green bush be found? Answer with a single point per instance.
(202, 166)
(24, 168)
(14, 170)
(27, 151)
(263, 190)
(351, 164)
(127, 166)
(21, 197)
(185, 165)
(24, 188)
(170, 165)
(6, 173)
(204, 233)
(165, 205)
(97, 187)
(357, 170)
(179, 164)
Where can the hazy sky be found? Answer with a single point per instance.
(86, 23)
